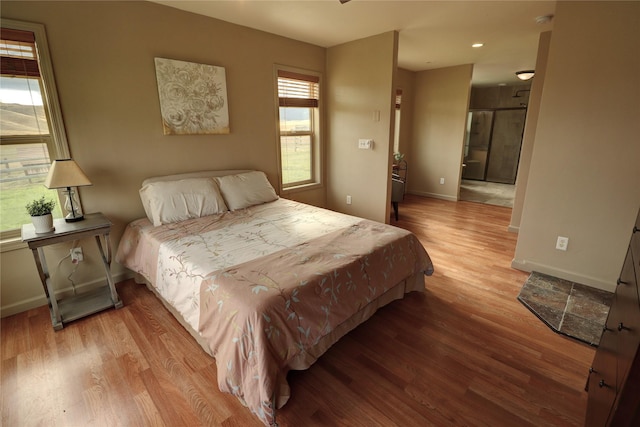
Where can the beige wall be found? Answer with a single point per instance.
(440, 107)
(361, 104)
(585, 166)
(529, 135)
(102, 54)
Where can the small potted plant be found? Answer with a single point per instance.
(40, 211)
(398, 160)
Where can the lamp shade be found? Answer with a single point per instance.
(525, 75)
(65, 173)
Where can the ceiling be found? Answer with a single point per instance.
(433, 34)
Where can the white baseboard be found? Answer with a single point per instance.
(594, 282)
(24, 305)
(513, 229)
(34, 302)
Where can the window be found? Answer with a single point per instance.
(31, 130)
(298, 120)
(396, 130)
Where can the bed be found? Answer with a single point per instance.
(264, 284)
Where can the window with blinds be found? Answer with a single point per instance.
(298, 108)
(396, 130)
(298, 90)
(18, 53)
(25, 130)
(20, 86)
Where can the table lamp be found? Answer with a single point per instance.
(65, 173)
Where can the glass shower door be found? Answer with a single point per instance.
(506, 140)
(477, 143)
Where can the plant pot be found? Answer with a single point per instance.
(43, 223)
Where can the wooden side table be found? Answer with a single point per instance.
(68, 309)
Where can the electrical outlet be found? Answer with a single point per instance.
(441, 180)
(348, 200)
(562, 243)
(76, 255)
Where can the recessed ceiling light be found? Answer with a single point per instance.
(477, 45)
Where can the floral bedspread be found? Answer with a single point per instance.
(176, 257)
(265, 285)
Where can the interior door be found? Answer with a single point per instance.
(506, 140)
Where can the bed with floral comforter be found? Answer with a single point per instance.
(270, 288)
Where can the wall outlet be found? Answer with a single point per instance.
(562, 243)
(441, 180)
(76, 255)
(348, 200)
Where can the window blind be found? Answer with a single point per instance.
(298, 90)
(18, 53)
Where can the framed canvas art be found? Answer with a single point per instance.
(193, 98)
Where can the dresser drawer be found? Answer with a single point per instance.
(614, 379)
(626, 317)
(635, 251)
(602, 381)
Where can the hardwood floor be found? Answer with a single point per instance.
(464, 353)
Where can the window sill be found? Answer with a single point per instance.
(12, 244)
(300, 188)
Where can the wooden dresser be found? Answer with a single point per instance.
(614, 378)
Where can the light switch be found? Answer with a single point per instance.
(365, 144)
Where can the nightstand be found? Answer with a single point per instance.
(68, 309)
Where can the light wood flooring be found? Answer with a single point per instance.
(464, 353)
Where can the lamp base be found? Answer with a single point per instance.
(69, 218)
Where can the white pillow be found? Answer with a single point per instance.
(172, 201)
(246, 189)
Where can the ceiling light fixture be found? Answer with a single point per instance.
(525, 75)
(477, 45)
(545, 19)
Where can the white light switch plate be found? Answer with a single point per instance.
(365, 144)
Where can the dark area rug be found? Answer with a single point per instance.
(569, 308)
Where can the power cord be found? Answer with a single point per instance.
(75, 267)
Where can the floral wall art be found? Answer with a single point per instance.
(193, 98)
